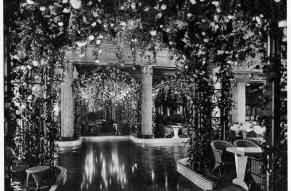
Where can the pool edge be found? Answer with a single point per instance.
(160, 141)
(198, 179)
(68, 145)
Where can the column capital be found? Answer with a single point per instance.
(147, 69)
(241, 83)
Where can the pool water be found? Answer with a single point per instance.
(122, 165)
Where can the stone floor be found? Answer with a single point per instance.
(225, 184)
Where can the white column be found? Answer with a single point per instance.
(241, 102)
(67, 103)
(113, 113)
(147, 102)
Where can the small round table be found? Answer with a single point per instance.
(37, 173)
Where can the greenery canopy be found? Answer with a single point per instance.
(204, 34)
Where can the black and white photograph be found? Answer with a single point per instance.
(144, 95)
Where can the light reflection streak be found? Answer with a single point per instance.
(117, 169)
(113, 165)
(108, 169)
(89, 170)
(104, 173)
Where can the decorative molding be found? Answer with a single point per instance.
(103, 138)
(147, 69)
(109, 56)
(241, 83)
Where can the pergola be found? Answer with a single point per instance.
(143, 70)
(201, 27)
(78, 59)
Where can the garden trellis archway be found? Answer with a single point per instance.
(143, 72)
(204, 33)
(109, 87)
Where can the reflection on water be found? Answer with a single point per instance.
(111, 169)
(121, 165)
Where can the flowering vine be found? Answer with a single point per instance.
(205, 34)
(103, 87)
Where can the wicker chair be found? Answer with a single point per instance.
(247, 143)
(244, 143)
(218, 148)
(258, 176)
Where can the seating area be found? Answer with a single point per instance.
(244, 143)
(253, 131)
(246, 159)
(219, 150)
(40, 177)
(137, 95)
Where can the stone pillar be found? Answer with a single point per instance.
(67, 103)
(147, 101)
(241, 102)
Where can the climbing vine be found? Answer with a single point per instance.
(205, 34)
(103, 87)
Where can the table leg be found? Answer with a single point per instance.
(240, 165)
(37, 178)
(27, 178)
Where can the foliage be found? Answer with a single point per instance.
(35, 133)
(275, 157)
(33, 62)
(205, 34)
(220, 40)
(106, 86)
(275, 160)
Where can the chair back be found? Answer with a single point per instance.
(244, 143)
(258, 176)
(220, 145)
